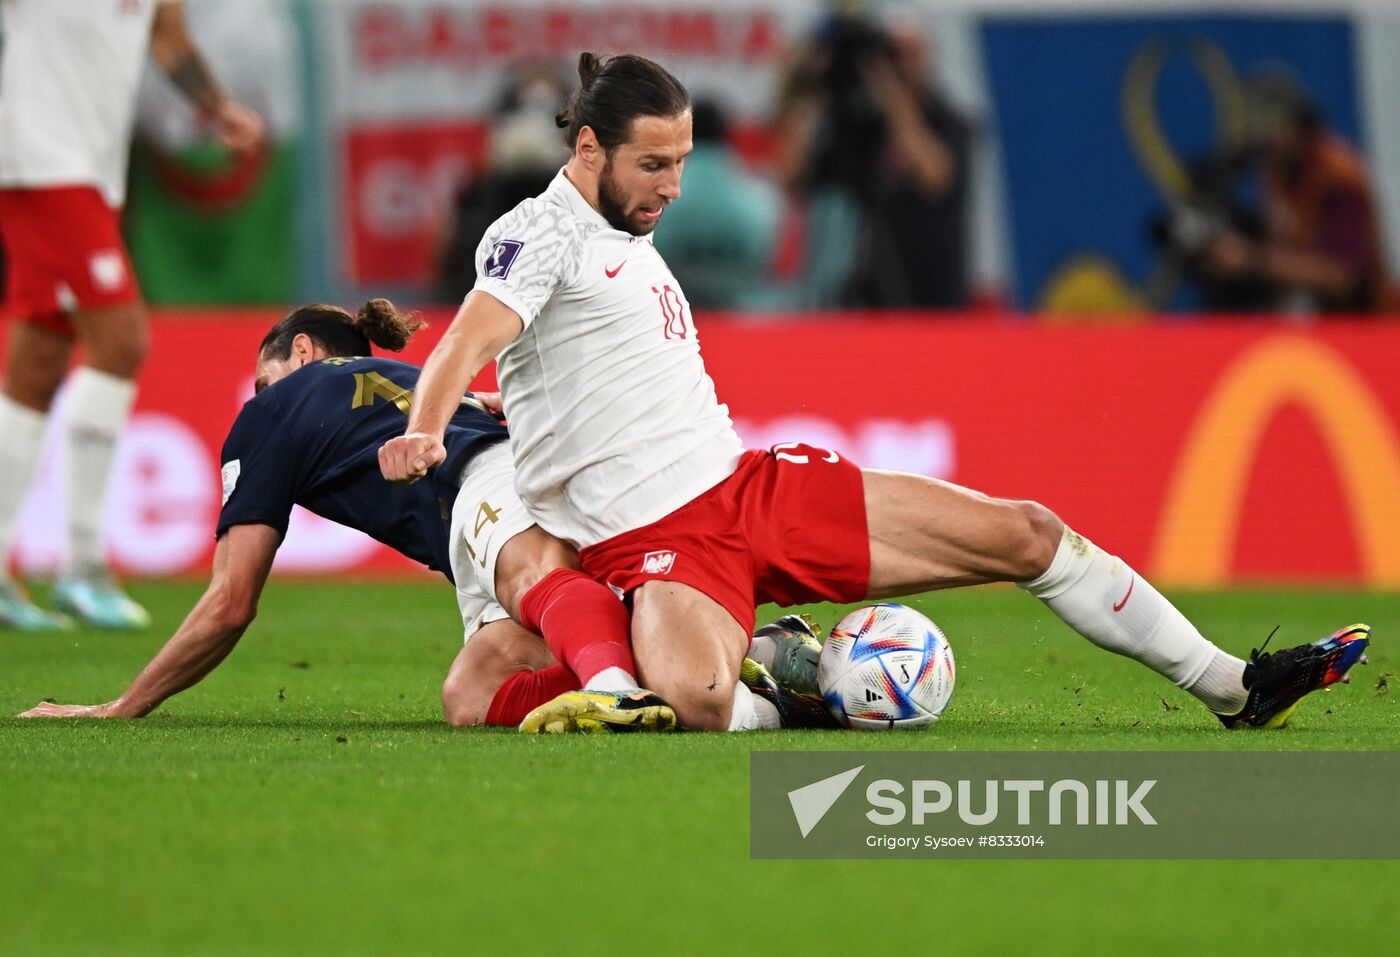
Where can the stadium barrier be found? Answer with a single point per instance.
(1204, 453)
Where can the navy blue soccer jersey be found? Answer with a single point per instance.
(313, 438)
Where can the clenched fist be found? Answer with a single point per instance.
(408, 457)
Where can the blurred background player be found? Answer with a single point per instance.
(68, 79)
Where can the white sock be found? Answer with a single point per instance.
(99, 406)
(1107, 602)
(611, 679)
(21, 441)
(1221, 686)
(763, 649)
(752, 713)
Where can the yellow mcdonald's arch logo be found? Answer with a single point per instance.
(1201, 514)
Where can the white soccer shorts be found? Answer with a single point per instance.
(486, 515)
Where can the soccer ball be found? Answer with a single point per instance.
(886, 666)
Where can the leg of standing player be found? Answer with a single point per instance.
(101, 394)
(36, 360)
(68, 282)
(926, 534)
(38, 349)
(115, 341)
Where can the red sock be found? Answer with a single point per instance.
(582, 622)
(525, 691)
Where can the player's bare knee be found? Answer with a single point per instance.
(131, 354)
(119, 359)
(460, 708)
(117, 344)
(464, 694)
(34, 389)
(705, 710)
(465, 698)
(705, 699)
(1038, 540)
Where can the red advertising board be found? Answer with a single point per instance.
(1203, 454)
(400, 184)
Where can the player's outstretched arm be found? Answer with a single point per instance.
(242, 561)
(240, 129)
(480, 330)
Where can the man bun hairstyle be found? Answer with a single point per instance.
(385, 326)
(614, 91)
(378, 322)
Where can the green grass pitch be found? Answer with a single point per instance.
(307, 799)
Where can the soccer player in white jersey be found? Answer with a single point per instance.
(68, 77)
(622, 448)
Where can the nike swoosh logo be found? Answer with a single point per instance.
(1131, 583)
(614, 270)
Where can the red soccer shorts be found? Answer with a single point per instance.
(787, 527)
(64, 251)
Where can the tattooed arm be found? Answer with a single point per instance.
(174, 51)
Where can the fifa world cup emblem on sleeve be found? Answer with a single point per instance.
(229, 473)
(502, 257)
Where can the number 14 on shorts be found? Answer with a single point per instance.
(486, 517)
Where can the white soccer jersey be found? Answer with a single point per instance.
(68, 76)
(614, 422)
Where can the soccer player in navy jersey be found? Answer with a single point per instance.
(310, 436)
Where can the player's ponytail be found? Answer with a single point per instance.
(385, 326)
(588, 67)
(613, 92)
(340, 333)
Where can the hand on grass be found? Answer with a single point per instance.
(48, 709)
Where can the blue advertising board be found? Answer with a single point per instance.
(1100, 118)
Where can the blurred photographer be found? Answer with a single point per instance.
(1314, 244)
(1223, 202)
(525, 154)
(881, 159)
